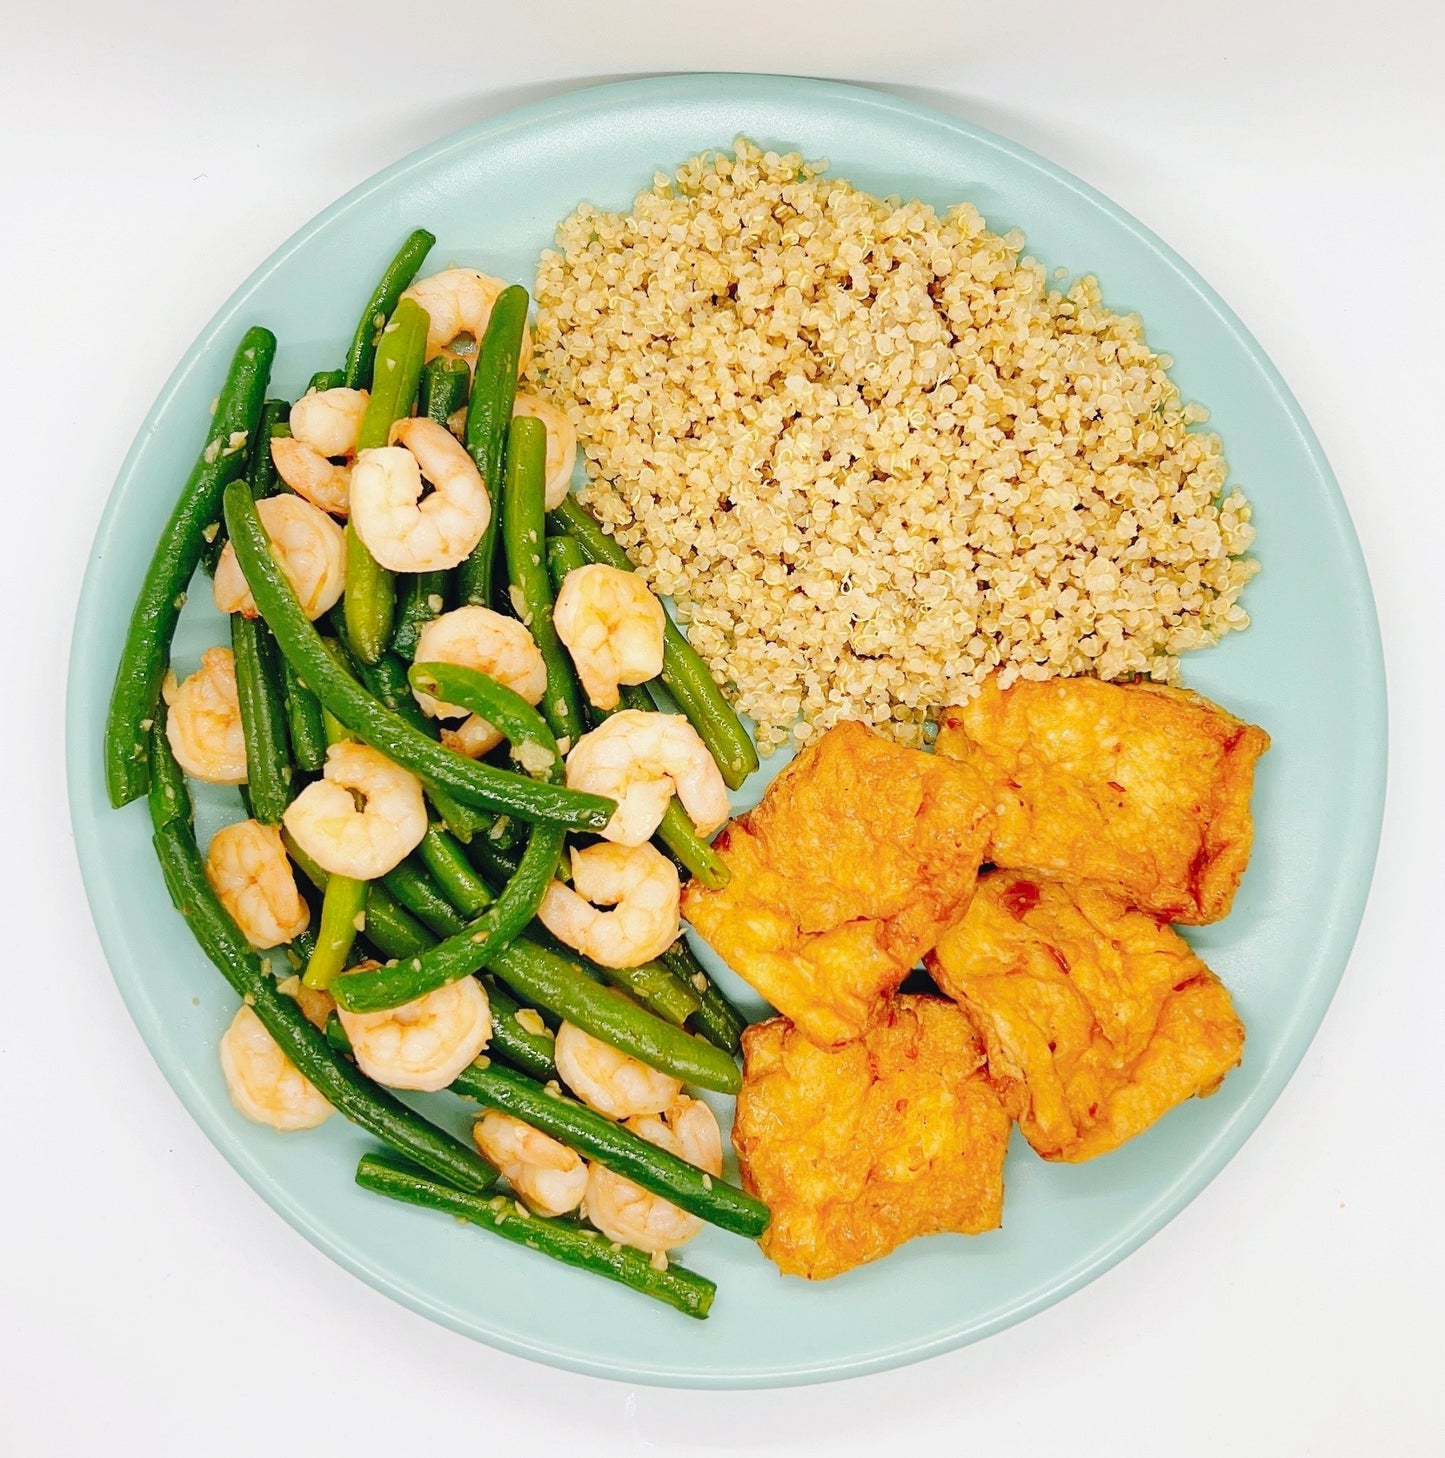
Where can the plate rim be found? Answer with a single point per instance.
(1368, 800)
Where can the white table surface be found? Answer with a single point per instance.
(151, 155)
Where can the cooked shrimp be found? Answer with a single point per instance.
(329, 421)
(624, 1212)
(607, 1080)
(263, 1082)
(324, 424)
(247, 867)
(561, 445)
(362, 818)
(403, 529)
(612, 626)
(310, 547)
(642, 760)
(458, 303)
(641, 886)
(315, 1002)
(204, 722)
(422, 1044)
(476, 637)
(473, 737)
(550, 1177)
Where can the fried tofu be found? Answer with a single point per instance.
(859, 855)
(1136, 786)
(1097, 1018)
(859, 1149)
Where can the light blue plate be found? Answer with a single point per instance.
(1309, 670)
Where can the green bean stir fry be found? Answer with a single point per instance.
(466, 817)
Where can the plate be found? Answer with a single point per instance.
(1309, 670)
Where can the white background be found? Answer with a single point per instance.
(151, 155)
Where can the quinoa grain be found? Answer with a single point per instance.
(872, 454)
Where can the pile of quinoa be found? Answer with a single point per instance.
(872, 454)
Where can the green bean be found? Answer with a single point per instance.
(146, 653)
(360, 358)
(451, 870)
(528, 733)
(652, 985)
(463, 821)
(615, 1147)
(390, 928)
(457, 956)
(476, 783)
(490, 859)
(656, 989)
(343, 914)
(340, 1084)
(299, 949)
(563, 1240)
(263, 718)
(304, 719)
(168, 796)
(385, 679)
(677, 832)
(343, 910)
(415, 890)
(564, 555)
(324, 380)
(494, 389)
(446, 384)
(260, 472)
(525, 1050)
(335, 1034)
(523, 528)
(421, 598)
(369, 603)
(560, 985)
(685, 674)
(717, 1019)
(482, 939)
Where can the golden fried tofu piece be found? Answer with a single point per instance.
(1098, 1019)
(858, 1149)
(1138, 786)
(860, 854)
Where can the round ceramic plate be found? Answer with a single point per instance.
(1309, 670)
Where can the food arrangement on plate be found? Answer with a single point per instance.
(941, 526)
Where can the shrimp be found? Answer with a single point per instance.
(641, 760)
(561, 445)
(247, 867)
(624, 1212)
(550, 1177)
(476, 637)
(324, 424)
(362, 818)
(641, 886)
(613, 628)
(204, 722)
(263, 1082)
(458, 303)
(315, 1002)
(310, 547)
(403, 529)
(607, 1080)
(425, 1043)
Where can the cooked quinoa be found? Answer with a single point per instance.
(872, 454)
